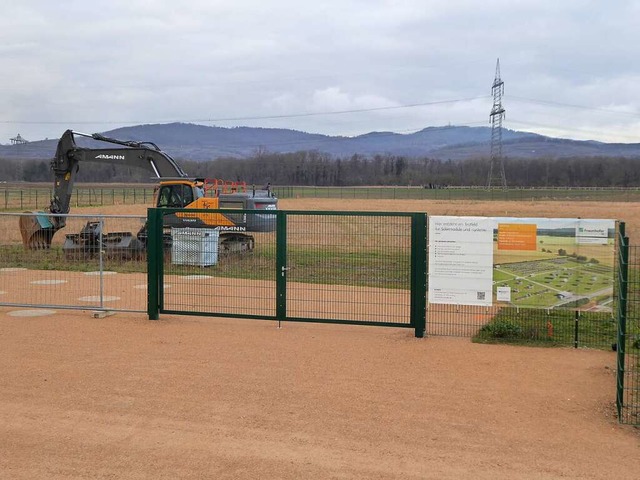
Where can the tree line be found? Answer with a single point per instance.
(316, 168)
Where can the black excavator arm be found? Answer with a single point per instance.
(37, 230)
(68, 157)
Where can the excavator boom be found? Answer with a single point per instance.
(38, 229)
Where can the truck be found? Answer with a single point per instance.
(176, 190)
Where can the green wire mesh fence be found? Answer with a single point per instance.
(628, 344)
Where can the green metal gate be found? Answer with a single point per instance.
(364, 268)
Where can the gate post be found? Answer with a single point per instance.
(281, 265)
(419, 273)
(623, 279)
(154, 256)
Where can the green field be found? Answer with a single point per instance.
(556, 282)
(323, 265)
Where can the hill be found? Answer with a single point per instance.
(198, 142)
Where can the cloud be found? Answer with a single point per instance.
(334, 99)
(106, 63)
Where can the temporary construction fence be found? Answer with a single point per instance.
(87, 266)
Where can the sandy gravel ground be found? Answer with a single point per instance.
(185, 397)
(124, 397)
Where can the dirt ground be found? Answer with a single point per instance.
(627, 212)
(197, 397)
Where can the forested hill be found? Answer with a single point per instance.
(201, 143)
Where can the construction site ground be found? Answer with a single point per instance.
(198, 397)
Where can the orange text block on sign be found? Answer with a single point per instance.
(517, 236)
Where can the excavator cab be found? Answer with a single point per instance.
(177, 195)
(233, 227)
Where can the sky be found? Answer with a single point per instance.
(335, 67)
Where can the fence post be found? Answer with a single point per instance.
(154, 259)
(623, 278)
(101, 262)
(281, 265)
(418, 307)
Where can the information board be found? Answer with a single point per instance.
(524, 262)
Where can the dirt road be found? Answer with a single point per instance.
(124, 397)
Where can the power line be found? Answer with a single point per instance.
(262, 117)
(341, 112)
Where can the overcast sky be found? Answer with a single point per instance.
(339, 67)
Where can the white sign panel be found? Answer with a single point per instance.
(503, 294)
(460, 260)
(592, 233)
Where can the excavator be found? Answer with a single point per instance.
(175, 190)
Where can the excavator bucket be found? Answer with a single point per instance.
(36, 230)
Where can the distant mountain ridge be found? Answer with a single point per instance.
(201, 143)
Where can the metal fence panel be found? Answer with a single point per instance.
(78, 271)
(457, 320)
(349, 267)
(523, 325)
(201, 276)
(628, 374)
